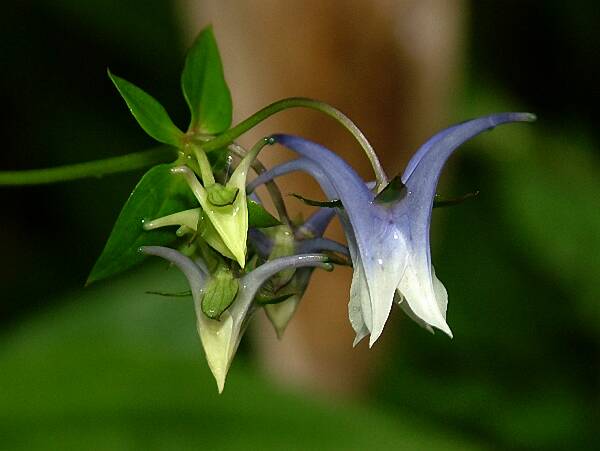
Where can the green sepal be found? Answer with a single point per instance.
(219, 293)
(334, 203)
(158, 193)
(220, 195)
(211, 257)
(264, 297)
(439, 201)
(204, 86)
(206, 230)
(259, 217)
(283, 246)
(148, 112)
(393, 191)
(177, 294)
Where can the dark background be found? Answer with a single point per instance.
(522, 373)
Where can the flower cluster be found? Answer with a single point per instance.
(387, 234)
(199, 211)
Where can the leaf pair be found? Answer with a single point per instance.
(205, 91)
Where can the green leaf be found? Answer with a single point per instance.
(204, 86)
(258, 217)
(149, 113)
(265, 298)
(158, 193)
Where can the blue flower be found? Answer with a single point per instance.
(388, 232)
(220, 337)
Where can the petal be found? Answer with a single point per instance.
(321, 244)
(425, 296)
(261, 242)
(299, 164)
(359, 296)
(349, 186)
(188, 218)
(280, 314)
(384, 263)
(228, 221)
(380, 244)
(316, 224)
(441, 297)
(219, 338)
(252, 281)
(442, 144)
(195, 276)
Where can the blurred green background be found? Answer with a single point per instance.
(109, 368)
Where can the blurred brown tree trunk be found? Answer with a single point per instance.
(389, 65)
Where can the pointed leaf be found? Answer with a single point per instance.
(158, 193)
(149, 113)
(204, 86)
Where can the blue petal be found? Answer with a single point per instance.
(262, 243)
(421, 177)
(299, 164)
(380, 243)
(316, 224)
(446, 141)
(252, 281)
(350, 187)
(321, 244)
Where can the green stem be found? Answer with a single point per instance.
(299, 102)
(98, 168)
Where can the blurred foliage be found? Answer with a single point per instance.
(114, 369)
(122, 370)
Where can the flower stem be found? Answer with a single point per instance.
(300, 102)
(98, 168)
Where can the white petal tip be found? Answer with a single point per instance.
(220, 375)
(357, 340)
(373, 338)
(446, 329)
